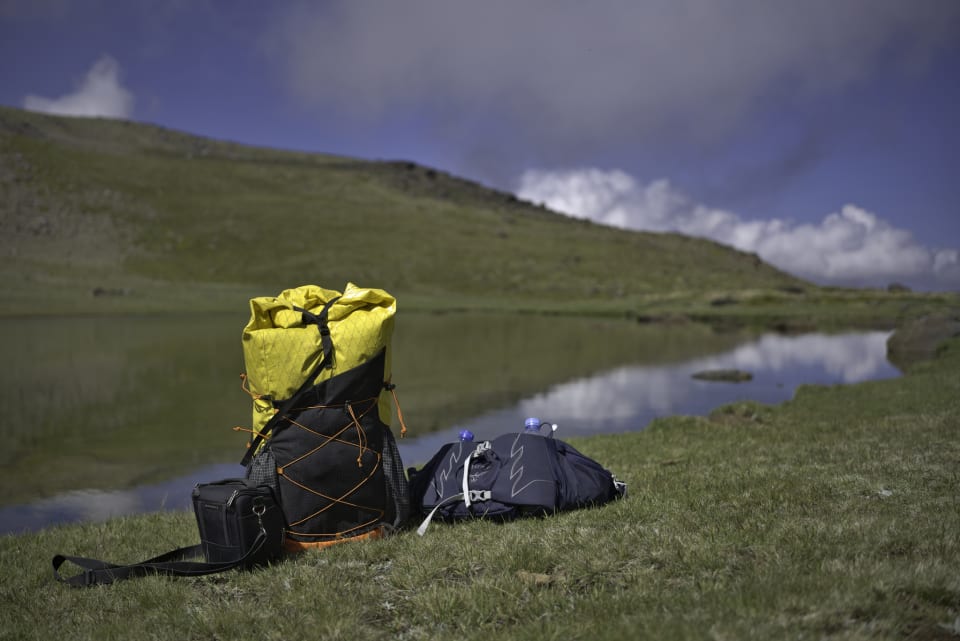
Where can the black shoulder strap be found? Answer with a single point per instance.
(326, 361)
(171, 563)
(320, 320)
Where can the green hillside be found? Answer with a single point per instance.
(110, 215)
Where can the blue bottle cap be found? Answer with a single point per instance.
(466, 435)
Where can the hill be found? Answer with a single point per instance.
(100, 214)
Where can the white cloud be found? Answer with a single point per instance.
(849, 246)
(99, 94)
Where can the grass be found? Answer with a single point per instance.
(831, 516)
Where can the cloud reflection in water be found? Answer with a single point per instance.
(627, 398)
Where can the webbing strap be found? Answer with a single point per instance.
(468, 496)
(172, 563)
(326, 344)
(320, 320)
(426, 522)
(474, 496)
(466, 479)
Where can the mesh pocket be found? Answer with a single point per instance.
(396, 480)
(263, 470)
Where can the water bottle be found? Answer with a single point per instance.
(466, 436)
(533, 424)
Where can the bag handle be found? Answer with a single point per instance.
(326, 343)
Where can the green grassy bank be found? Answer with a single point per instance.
(100, 215)
(834, 515)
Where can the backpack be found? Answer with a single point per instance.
(513, 475)
(322, 463)
(318, 370)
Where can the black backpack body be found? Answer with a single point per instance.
(521, 474)
(333, 462)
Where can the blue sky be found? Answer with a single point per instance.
(820, 134)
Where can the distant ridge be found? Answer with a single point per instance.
(100, 208)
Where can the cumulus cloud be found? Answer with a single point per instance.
(100, 93)
(849, 246)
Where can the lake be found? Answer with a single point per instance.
(105, 416)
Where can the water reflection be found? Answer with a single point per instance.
(849, 358)
(616, 399)
(100, 505)
(627, 398)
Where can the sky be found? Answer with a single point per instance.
(820, 134)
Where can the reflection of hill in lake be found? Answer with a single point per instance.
(627, 397)
(630, 396)
(453, 366)
(111, 402)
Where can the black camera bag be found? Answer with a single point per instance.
(241, 526)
